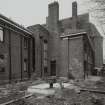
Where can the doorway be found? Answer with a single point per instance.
(53, 68)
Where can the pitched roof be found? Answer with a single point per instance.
(14, 24)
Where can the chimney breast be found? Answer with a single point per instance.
(74, 15)
(53, 15)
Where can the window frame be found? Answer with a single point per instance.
(45, 70)
(2, 69)
(2, 29)
(45, 54)
(25, 42)
(25, 65)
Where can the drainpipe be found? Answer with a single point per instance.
(21, 55)
(68, 55)
(10, 71)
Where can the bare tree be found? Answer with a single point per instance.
(96, 9)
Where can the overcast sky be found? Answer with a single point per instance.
(30, 12)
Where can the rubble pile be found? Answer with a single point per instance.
(12, 91)
(69, 97)
(101, 84)
(91, 84)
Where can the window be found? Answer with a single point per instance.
(45, 41)
(25, 65)
(45, 62)
(25, 42)
(2, 69)
(1, 56)
(45, 70)
(45, 47)
(45, 53)
(1, 34)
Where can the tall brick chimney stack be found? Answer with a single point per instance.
(53, 16)
(74, 14)
(74, 9)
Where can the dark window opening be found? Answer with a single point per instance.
(53, 68)
(45, 41)
(2, 69)
(2, 56)
(25, 42)
(45, 70)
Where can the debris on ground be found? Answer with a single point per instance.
(14, 90)
(70, 94)
(68, 97)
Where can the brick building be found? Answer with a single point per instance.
(41, 36)
(72, 45)
(57, 48)
(16, 51)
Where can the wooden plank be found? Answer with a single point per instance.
(95, 91)
(7, 103)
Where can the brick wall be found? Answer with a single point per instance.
(76, 57)
(12, 48)
(40, 34)
(72, 62)
(53, 16)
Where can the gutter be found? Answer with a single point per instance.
(25, 30)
